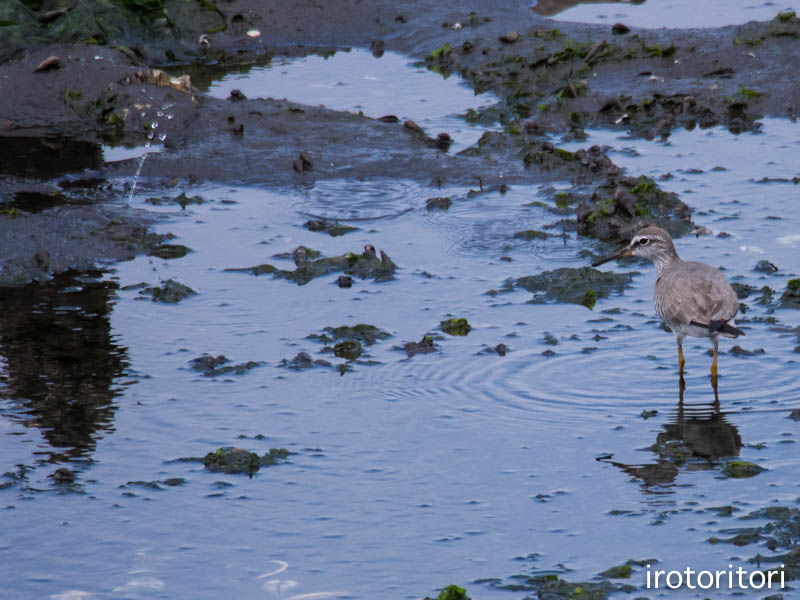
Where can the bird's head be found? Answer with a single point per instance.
(652, 243)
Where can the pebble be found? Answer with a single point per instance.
(509, 38)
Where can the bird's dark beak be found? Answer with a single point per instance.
(626, 251)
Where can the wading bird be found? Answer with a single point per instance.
(692, 298)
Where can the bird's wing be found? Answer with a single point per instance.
(695, 292)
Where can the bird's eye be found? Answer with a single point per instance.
(644, 241)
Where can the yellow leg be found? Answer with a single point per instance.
(714, 370)
(681, 360)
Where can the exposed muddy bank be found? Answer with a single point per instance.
(100, 88)
(539, 71)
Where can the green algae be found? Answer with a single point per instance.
(441, 51)
(169, 251)
(451, 592)
(791, 296)
(741, 469)
(439, 60)
(456, 326)
(584, 285)
(530, 234)
(232, 460)
(749, 93)
(623, 205)
(618, 572)
(158, 25)
(657, 51)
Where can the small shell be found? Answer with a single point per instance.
(509, 38)
(48, 64)
(253, 33)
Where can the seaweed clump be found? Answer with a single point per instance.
(365, 266)
(169, 292)
(236, 460)
(584, 285)
(456, 326)
(791, 296)
(451, 592)
(623, 205)
(212, 366)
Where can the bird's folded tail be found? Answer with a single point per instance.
(722, 326)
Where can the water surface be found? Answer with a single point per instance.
(657, 14)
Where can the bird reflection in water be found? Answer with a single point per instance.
(695, 437)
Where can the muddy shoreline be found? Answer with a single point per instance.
(551, 79)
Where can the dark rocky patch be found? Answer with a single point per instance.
(583, 286)
(790, 298)
(212, 366)
(303, 361)
(743, 290)
(169, 251)
(331, 228)
(426, 345)
(778, 536)
(438, 203)
(552, 587)
(181, 200)
(169, 292)
(235, 460)
(530, 234)
(739, 351)
(764, 266)
(363, 333)
(623, 205)
(364, 266)
(349, 349)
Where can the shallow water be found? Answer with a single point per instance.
(410, 473)
(657, 14)
(356, 81)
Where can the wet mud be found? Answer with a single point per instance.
(106, 88)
